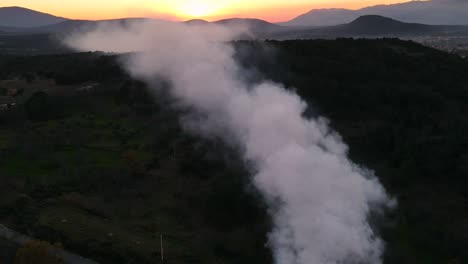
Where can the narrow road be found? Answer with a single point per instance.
(20, 239)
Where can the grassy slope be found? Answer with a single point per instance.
(114, 170)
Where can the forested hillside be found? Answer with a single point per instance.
(98, 162)
(402, 108)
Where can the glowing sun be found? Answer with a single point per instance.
(198, 9)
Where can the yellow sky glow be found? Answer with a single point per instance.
(271, 10)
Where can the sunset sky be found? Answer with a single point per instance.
(271, 10)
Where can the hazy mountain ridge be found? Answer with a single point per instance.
(436, 12)
(72, 26)
(323, 17)
(252, 24)
(255, 27)
(47, 39)
(22, 17)
(362, 26)
(372, 26)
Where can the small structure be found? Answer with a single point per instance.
(6, 102)
(13, 92)
(88, 88)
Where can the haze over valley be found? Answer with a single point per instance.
(378, 21)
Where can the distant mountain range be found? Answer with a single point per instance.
(21, 17)
(435, 12)
(45, 23)
(362, 26)
(372, 26)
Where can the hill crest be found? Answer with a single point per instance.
(435, 12)
(15, 16)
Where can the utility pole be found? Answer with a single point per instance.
(162, 248)
(174, 150)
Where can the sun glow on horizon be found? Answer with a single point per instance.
(194, 9)
(270, 10)
(191, 9)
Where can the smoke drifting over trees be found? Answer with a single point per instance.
(318, 199)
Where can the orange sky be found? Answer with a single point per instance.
(271, 10)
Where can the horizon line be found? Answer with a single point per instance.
(174, 18)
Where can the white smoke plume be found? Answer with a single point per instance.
(319, 200)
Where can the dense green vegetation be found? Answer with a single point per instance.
(402, 108)
(106, 170)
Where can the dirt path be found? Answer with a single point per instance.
(20, 239)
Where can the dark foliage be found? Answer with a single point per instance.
(402, 109)
(103, 169)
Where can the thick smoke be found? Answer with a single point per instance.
(319, 200)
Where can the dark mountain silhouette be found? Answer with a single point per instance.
(22, 17)
(323, 17)
(255, 25)
(68, 26)
(80, 25)
(435, 12)
(196, 22)
(379, 25)
(6, 30)
(368, 25)
(373, 26)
